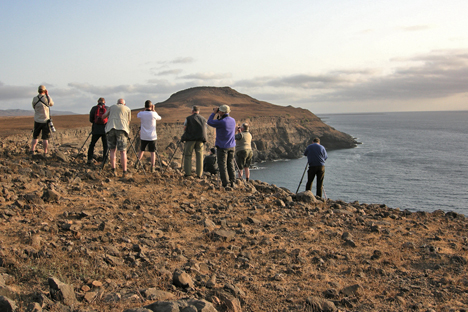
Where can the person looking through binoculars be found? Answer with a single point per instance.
(117, 130)
(148, 134)
(98, 129)
(194, 137)
(225, 143)
(244, 151)
(41, 104)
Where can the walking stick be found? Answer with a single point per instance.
(305, 169)
(237, 166)
(82, 146)
(172, 157)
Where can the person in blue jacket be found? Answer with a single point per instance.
(225, 143)
(316, 157)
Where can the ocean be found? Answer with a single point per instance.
(408, 160)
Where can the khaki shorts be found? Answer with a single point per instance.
(117, 139)
(244, 158)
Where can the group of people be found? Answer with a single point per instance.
(232, 145)
(231, 140)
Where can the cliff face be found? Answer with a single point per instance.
(278, 132)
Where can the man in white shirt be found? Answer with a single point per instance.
(148, 134)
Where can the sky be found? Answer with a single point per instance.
(333, 56)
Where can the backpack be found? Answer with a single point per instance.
(101, 109)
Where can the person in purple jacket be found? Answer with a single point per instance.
(316, 157)
(225, 143)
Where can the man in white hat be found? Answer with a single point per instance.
(225, 143)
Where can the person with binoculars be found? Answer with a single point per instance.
(225, 143)
(42, 122)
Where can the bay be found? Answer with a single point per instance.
(407, 160)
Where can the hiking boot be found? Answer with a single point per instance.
(113, 172)
(152, 169)
(126, 174)
(137, 165)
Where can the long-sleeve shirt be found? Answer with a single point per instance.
(225, 130)
(316, 154)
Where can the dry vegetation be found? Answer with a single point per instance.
(120, 242)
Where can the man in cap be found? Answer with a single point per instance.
(225, 143)
(41, 104)
(194, 137)
(244, 151)
(117, 130)
(98, 129)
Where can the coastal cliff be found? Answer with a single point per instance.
(278, 132)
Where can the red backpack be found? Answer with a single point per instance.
(101, 110)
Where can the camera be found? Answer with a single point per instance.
(51, 125)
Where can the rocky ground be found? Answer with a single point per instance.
(72, 239)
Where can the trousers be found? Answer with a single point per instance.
(189, 146)
(226, 165)
(313, 171)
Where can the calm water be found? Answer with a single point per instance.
(411, 160)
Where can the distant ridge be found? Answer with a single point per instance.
(24, 112)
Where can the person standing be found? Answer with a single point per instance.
(148, 134)
(194, 137)
(117, 130)
(98, 129)
(316, 157)
(41, 104)
(244, 151)
(210, 163)
(225, 142)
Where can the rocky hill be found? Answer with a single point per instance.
(278, 132)
(72, 239)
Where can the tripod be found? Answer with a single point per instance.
(178, 143)
(82, 146)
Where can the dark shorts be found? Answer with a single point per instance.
(244, 158)
(44, 127)
(117, 139)
(151, 146)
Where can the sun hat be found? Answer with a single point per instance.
(225, 109)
